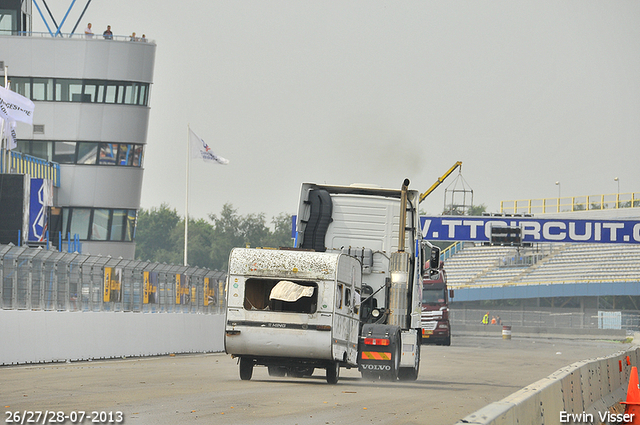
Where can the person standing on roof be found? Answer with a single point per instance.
(107, 34)
(87, 31)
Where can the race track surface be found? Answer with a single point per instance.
(205, 388)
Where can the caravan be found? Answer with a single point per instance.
(293, 311)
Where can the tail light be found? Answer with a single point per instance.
(376, 341)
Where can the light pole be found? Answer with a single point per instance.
(618, 194)
(558, 184)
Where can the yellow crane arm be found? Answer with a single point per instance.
(440, 180)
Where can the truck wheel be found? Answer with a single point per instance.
(333, 373)
(246, 368)
(448, 340)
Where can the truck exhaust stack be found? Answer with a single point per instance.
(399, 267)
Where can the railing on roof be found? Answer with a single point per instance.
(37, 168)
(79, 36)
(570, 204)
(449, 251)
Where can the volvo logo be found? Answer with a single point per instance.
(376, 366)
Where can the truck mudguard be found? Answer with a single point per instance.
(379, 351)
(319, 219)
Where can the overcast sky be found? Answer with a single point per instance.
(523, 93)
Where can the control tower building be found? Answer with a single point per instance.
(91, 96)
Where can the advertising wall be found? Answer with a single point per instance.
(534, 230)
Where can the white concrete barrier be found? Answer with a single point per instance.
(49, 336)
(586, 389)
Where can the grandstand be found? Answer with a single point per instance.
(479, 265)
(586, 282)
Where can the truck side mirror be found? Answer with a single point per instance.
(434, 261)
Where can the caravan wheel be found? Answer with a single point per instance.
(333, 373)
(246, 368)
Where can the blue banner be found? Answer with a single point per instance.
(37, 211)
(478, 229)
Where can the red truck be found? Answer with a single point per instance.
(435, 309)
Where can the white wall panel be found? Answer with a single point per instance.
(44, 336)
(78, 58)
(100, 186)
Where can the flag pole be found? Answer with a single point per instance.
(186, 206)
(4, 144)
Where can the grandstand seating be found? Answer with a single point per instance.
(473, 261)
(559, 263)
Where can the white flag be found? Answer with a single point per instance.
(15, 107)
(10, 134)
(199, 149)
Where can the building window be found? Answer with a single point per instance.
(84, 153)
(42, 89)
(22, 86)
(130, 227)
(137, 156)
(92, 90)
(125, 154)
(79, 90)
(118, 225)
(68, 90)
(65, 221)
(42, 150)
(108, 153)
(8, 22)
(79, 222)
(87, 153)
(142, 100)
(111, 93)
(64, 152)
(99, 224)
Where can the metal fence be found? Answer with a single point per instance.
(79, 36)
(571, 203)
(37, 168)
(40, 279)
(589, 319)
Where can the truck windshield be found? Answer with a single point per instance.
(432, 296)
(258, 295)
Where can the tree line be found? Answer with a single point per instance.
(160, 235)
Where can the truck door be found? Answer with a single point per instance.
(340, 328)
(346, 318)
(349, 298)
(354, 316)
(345, 335)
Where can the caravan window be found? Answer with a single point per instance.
(292, 296)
